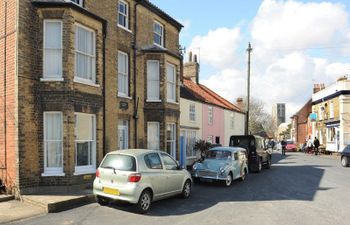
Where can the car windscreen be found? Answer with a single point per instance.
(119, 162)
(290, 142)
(245, 142)
(218, 154)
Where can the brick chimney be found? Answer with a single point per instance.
(239, 103)
(191, 68)
(318, 87)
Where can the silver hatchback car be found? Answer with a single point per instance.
(140, 176)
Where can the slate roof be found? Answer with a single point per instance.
(199, 92)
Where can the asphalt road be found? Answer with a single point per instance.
(298, 189)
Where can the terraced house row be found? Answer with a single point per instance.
(80, 78)
(83, 78)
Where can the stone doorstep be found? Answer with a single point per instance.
(5, 198)
(58, 203)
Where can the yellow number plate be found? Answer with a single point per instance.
(111, 191)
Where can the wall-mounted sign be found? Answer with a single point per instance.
(313, 116)
(123, 105)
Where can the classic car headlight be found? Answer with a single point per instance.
(222, 170)
(195, 166)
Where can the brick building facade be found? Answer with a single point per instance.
(86, 80)
(300, 124)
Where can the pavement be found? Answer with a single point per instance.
(40, 204)
(34, 208)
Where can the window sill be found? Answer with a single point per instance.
(53, 174)
(159, 46)
(124, 28)
(86, 82)
(171, 102)
(83, 171)
(51, 79)
(148, 100)
(123, 96)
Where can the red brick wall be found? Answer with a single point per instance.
(302, 124)
(8, 153)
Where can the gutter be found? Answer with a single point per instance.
(104, 31)
(136, 100)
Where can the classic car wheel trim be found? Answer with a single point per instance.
(228, 180)
(344, 161)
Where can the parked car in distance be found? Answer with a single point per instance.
(222, 164)
(345, 156)
(140, 177)
(291, 147)
(257, 153)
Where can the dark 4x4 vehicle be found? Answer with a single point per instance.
(257, 152)
(345, 156)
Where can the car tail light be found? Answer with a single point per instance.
(97, 173)
(135, 177)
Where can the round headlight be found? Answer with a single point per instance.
(222, 170)
(195, 166)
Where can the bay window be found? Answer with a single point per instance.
(153, 80)
(53, 144)
(85, 59)
(171, 139)
(52, 52)
(171, 83)
(85, 143)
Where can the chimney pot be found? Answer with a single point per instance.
(195, 58)
(190, 57)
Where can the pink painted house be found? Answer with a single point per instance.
(213, 124)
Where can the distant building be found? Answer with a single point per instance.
(331, 107)
(279, 113)
(300, 124)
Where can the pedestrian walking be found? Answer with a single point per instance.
(309, 145)
(284, 144)
(316, 145)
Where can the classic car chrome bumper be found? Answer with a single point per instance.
(209, 175)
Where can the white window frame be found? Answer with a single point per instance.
(320, 113)
(126, 26)
(153, 98)
(77, 2)
(331, 110)
(122, 94)
(171, 84)
(78, 170)
(159, 34)
(172, 141)
(192, 112)
(191, 137)
(158, 127)
(52, 77)
(210, 115)
(232, 120)
(123, 125)
(53, 171)
(93, 57)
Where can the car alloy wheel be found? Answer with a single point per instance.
(144, 203)
(186, 191)
(228, 180)
(344, 161)
(243, 176)
(259, 166)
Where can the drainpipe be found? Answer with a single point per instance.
(104, 30)
(5, 104)
(134, 46)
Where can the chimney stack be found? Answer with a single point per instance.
(239, 103)
(318, 87)
(191, 68)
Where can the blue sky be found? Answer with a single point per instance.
(296, 43)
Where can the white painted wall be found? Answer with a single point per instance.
(238, 128)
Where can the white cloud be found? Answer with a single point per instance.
(295, 25)
(218, 47)
(285, 63)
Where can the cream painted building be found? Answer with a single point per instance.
(234, 124)
(332, 107)
(190, 127)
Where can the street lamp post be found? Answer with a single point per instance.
(249, 50)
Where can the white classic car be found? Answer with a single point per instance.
(222, 164)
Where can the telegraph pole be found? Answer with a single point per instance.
(249, 50)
